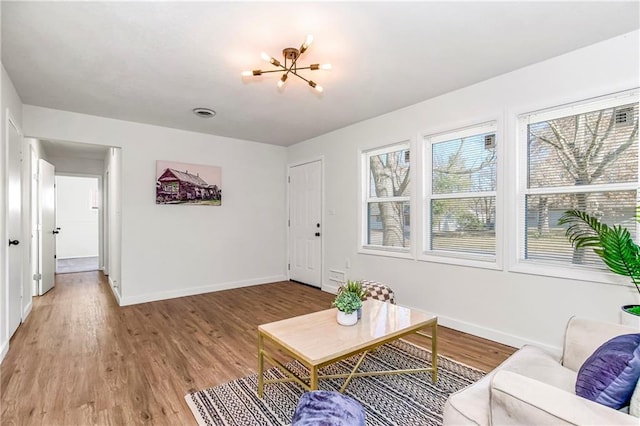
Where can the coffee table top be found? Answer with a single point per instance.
(317, 338)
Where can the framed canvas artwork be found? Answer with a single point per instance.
(185, 183)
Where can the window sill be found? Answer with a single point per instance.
(386, 252)
(568, 272)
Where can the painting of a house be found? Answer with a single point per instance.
(182, 183)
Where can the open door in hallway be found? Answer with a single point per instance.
(48, 225)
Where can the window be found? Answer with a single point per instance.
(460, 192)
(387, 198)
(583, 156)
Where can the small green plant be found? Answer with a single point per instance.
(347, 302)
(354, 287)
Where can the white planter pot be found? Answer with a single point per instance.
(347, 319)
(629, 319)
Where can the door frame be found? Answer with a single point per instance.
(34, 219)
(101, 229)
(322, 218)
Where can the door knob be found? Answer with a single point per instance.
(14, 242)
(317, 234)
(56, 231)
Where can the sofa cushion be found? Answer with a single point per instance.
(610, 374)
(472, 403)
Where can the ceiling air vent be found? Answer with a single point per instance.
(623, 116)
(204, 112)
(489, 141)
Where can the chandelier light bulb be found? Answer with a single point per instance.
(308, 41)
(282, 80)
(290, 65)
(316, 86)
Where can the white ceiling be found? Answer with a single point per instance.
(64, 149)
(153, 62)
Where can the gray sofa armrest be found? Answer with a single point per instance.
(583, 337)
(518, 400)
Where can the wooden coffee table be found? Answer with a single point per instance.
(317, 340)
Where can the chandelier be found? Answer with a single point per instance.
(290, 66)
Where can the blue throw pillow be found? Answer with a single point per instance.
(327, 408)
(610, 374)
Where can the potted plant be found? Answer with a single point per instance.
(355, 287)
(615, 247)
(347, 304)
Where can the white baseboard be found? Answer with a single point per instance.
(4, 350)
(495, 335)
(27, 310)
(171, 294)
(114, 291)
(330, 288)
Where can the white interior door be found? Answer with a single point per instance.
(14, 222)
(305, 227)
(48, 229)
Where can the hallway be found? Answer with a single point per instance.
(77, 264)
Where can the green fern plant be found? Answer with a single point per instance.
(354, 287)
(613, 244)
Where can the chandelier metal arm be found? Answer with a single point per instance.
(293, 55)
(293, 67)
(312, 67)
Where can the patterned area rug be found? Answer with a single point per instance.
(406, 399)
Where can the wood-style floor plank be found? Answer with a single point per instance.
(80, 359)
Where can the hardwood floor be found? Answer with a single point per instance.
(77, 264)
(80, 359)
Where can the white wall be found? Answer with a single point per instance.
(176, 250)
(76, 216)
(10, 101)
(499, 304)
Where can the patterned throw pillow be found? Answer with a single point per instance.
(610, 374)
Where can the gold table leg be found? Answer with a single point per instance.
(313, 378)
(434, 352)
(260, 365)
(348, 379)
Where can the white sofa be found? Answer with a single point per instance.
(534, 387)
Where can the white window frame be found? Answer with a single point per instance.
(547, 267)
(366, 198)
(453, 257)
